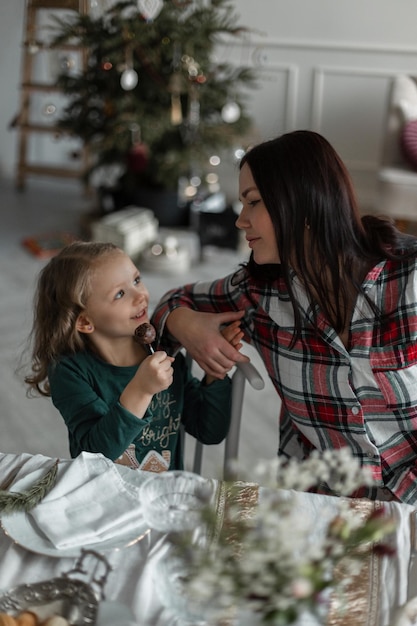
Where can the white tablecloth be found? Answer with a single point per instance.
(385, 582)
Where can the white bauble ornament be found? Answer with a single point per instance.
(129, 79)
(230, 112)
(150, 9)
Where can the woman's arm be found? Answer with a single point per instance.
(200, 334)
(194, 315)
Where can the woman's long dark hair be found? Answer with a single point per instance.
(304, 184)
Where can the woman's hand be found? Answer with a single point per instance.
(200, 334)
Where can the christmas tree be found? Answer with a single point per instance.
(151, 98)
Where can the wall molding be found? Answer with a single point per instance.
(291, 95)
(319, 75)
(323, 44)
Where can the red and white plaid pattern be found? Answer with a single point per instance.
(364, 397)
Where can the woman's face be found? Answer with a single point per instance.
(254, 219)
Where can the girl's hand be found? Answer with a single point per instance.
(155, 373)
(233, 334)
(200, 334)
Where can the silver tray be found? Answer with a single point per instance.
(68, 595)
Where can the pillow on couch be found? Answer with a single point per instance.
(408, 141)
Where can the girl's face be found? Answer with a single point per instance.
(254, 219)
(119, 300)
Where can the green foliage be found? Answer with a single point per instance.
(173, 54)
(13, 502)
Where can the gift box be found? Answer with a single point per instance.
(132, 229)
(214, 221)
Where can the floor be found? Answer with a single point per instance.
(32, 424)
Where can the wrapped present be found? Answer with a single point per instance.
(132, 229)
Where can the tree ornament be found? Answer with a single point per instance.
(67, 63)
(175, 88)
(138, 158)
(194, 110)
(138, 155)
(150, 9)
(192, 67)
(230, 112)
(129, 79)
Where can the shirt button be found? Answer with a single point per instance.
(355, 410)
(370, 455)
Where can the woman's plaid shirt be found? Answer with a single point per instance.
(363, 397)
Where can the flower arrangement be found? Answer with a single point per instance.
(271, 563)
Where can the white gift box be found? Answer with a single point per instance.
(132, 229)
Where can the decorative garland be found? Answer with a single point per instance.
(11, 502)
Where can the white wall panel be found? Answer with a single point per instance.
(339, 89)
(275, 101)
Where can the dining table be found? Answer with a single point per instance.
(49, 542)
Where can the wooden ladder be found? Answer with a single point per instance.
(31, 87)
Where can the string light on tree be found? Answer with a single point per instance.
(212, 181)
(238, 154)
(214, 160)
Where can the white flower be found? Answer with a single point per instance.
(301, 588)
(282, 566)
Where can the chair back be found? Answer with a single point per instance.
(244, 373)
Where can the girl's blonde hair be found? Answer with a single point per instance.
(63, 288)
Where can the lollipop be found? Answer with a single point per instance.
(145, 334)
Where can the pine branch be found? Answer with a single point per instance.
(25, 501)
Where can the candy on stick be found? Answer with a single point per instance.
(145, 334)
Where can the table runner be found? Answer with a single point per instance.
(366, 600)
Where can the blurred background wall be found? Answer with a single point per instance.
(325, 65)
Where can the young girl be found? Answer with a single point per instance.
(114, 396)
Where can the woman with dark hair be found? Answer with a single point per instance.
(329, 300)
